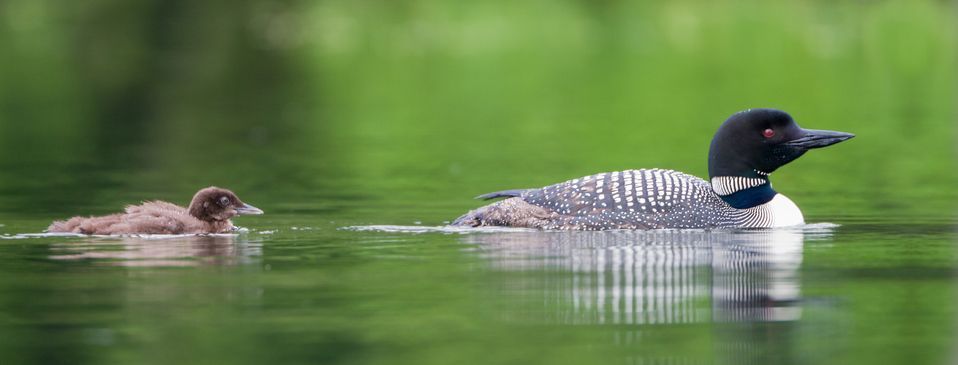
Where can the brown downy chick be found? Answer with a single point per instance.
(209, 212)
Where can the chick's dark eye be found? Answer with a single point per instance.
(768, 133)
(224, 201)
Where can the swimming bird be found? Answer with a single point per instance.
(745, 150)
(209, 212)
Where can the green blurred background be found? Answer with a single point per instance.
(335, 113)
(399, 102)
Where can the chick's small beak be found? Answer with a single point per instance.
(247, 209)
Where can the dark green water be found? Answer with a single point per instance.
(352, 114)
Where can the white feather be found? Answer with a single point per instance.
(784, 212)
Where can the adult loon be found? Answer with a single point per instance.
(209, 212)
(746, 149)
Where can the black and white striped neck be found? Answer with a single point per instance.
(742, 192)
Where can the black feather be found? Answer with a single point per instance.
(502, 194)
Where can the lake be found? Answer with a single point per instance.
(362, 128)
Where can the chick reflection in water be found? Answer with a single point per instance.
(657, 277)
(222, 249)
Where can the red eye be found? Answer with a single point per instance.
(769, 133)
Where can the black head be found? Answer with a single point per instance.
(756, 142)
(215, 204)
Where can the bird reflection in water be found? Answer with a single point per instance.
(657, 277)
(170, 250)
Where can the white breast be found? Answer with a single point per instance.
(784, 212)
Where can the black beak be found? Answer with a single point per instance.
(246, 209)
(814, 138)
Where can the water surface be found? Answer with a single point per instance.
(391, 115)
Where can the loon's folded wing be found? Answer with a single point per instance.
(646, 191)
(631, 199)
(502, 194)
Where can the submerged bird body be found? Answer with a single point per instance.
(209, 212)
(631, 199)
(746, 149)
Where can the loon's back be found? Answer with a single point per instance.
(631, 199)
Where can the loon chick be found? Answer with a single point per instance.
(209, 212)
(746, 149)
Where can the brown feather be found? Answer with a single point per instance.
(205, 215)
